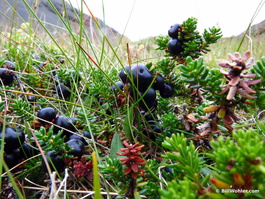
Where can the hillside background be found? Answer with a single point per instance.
(14, 12)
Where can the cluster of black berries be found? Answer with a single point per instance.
(7, 75)
(16, 149)
(46, 117)
(144, 90)
(174, 45)
(14, 146)
(145, 85)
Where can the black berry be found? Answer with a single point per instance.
(63, 91)
(9, 65)
(87, 134)
(13, 138)
(175, 46)
(148, 99)
(62, 123)
(55, 162)
(78, 147)
(167, 91)
(6, 76)
(12, 158)
(142, 77)
(46, 114)
(159, 82)
(174, 30)
(118, 85)
(123, 74)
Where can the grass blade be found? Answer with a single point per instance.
(128, 123)
(250, 23)
(96, 179)
(116, 144)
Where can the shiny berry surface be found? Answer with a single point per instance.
(6, 76)
(167, 91)
(159, 82)
(149, 98)
(13, 138)
(63, 91)
(175, 47)
(174, 30)
(12, 158)
(78, 147)
(46, 114)
(63, 123)
(55, 162)
(142, 77)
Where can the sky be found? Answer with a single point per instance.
(139, 19)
